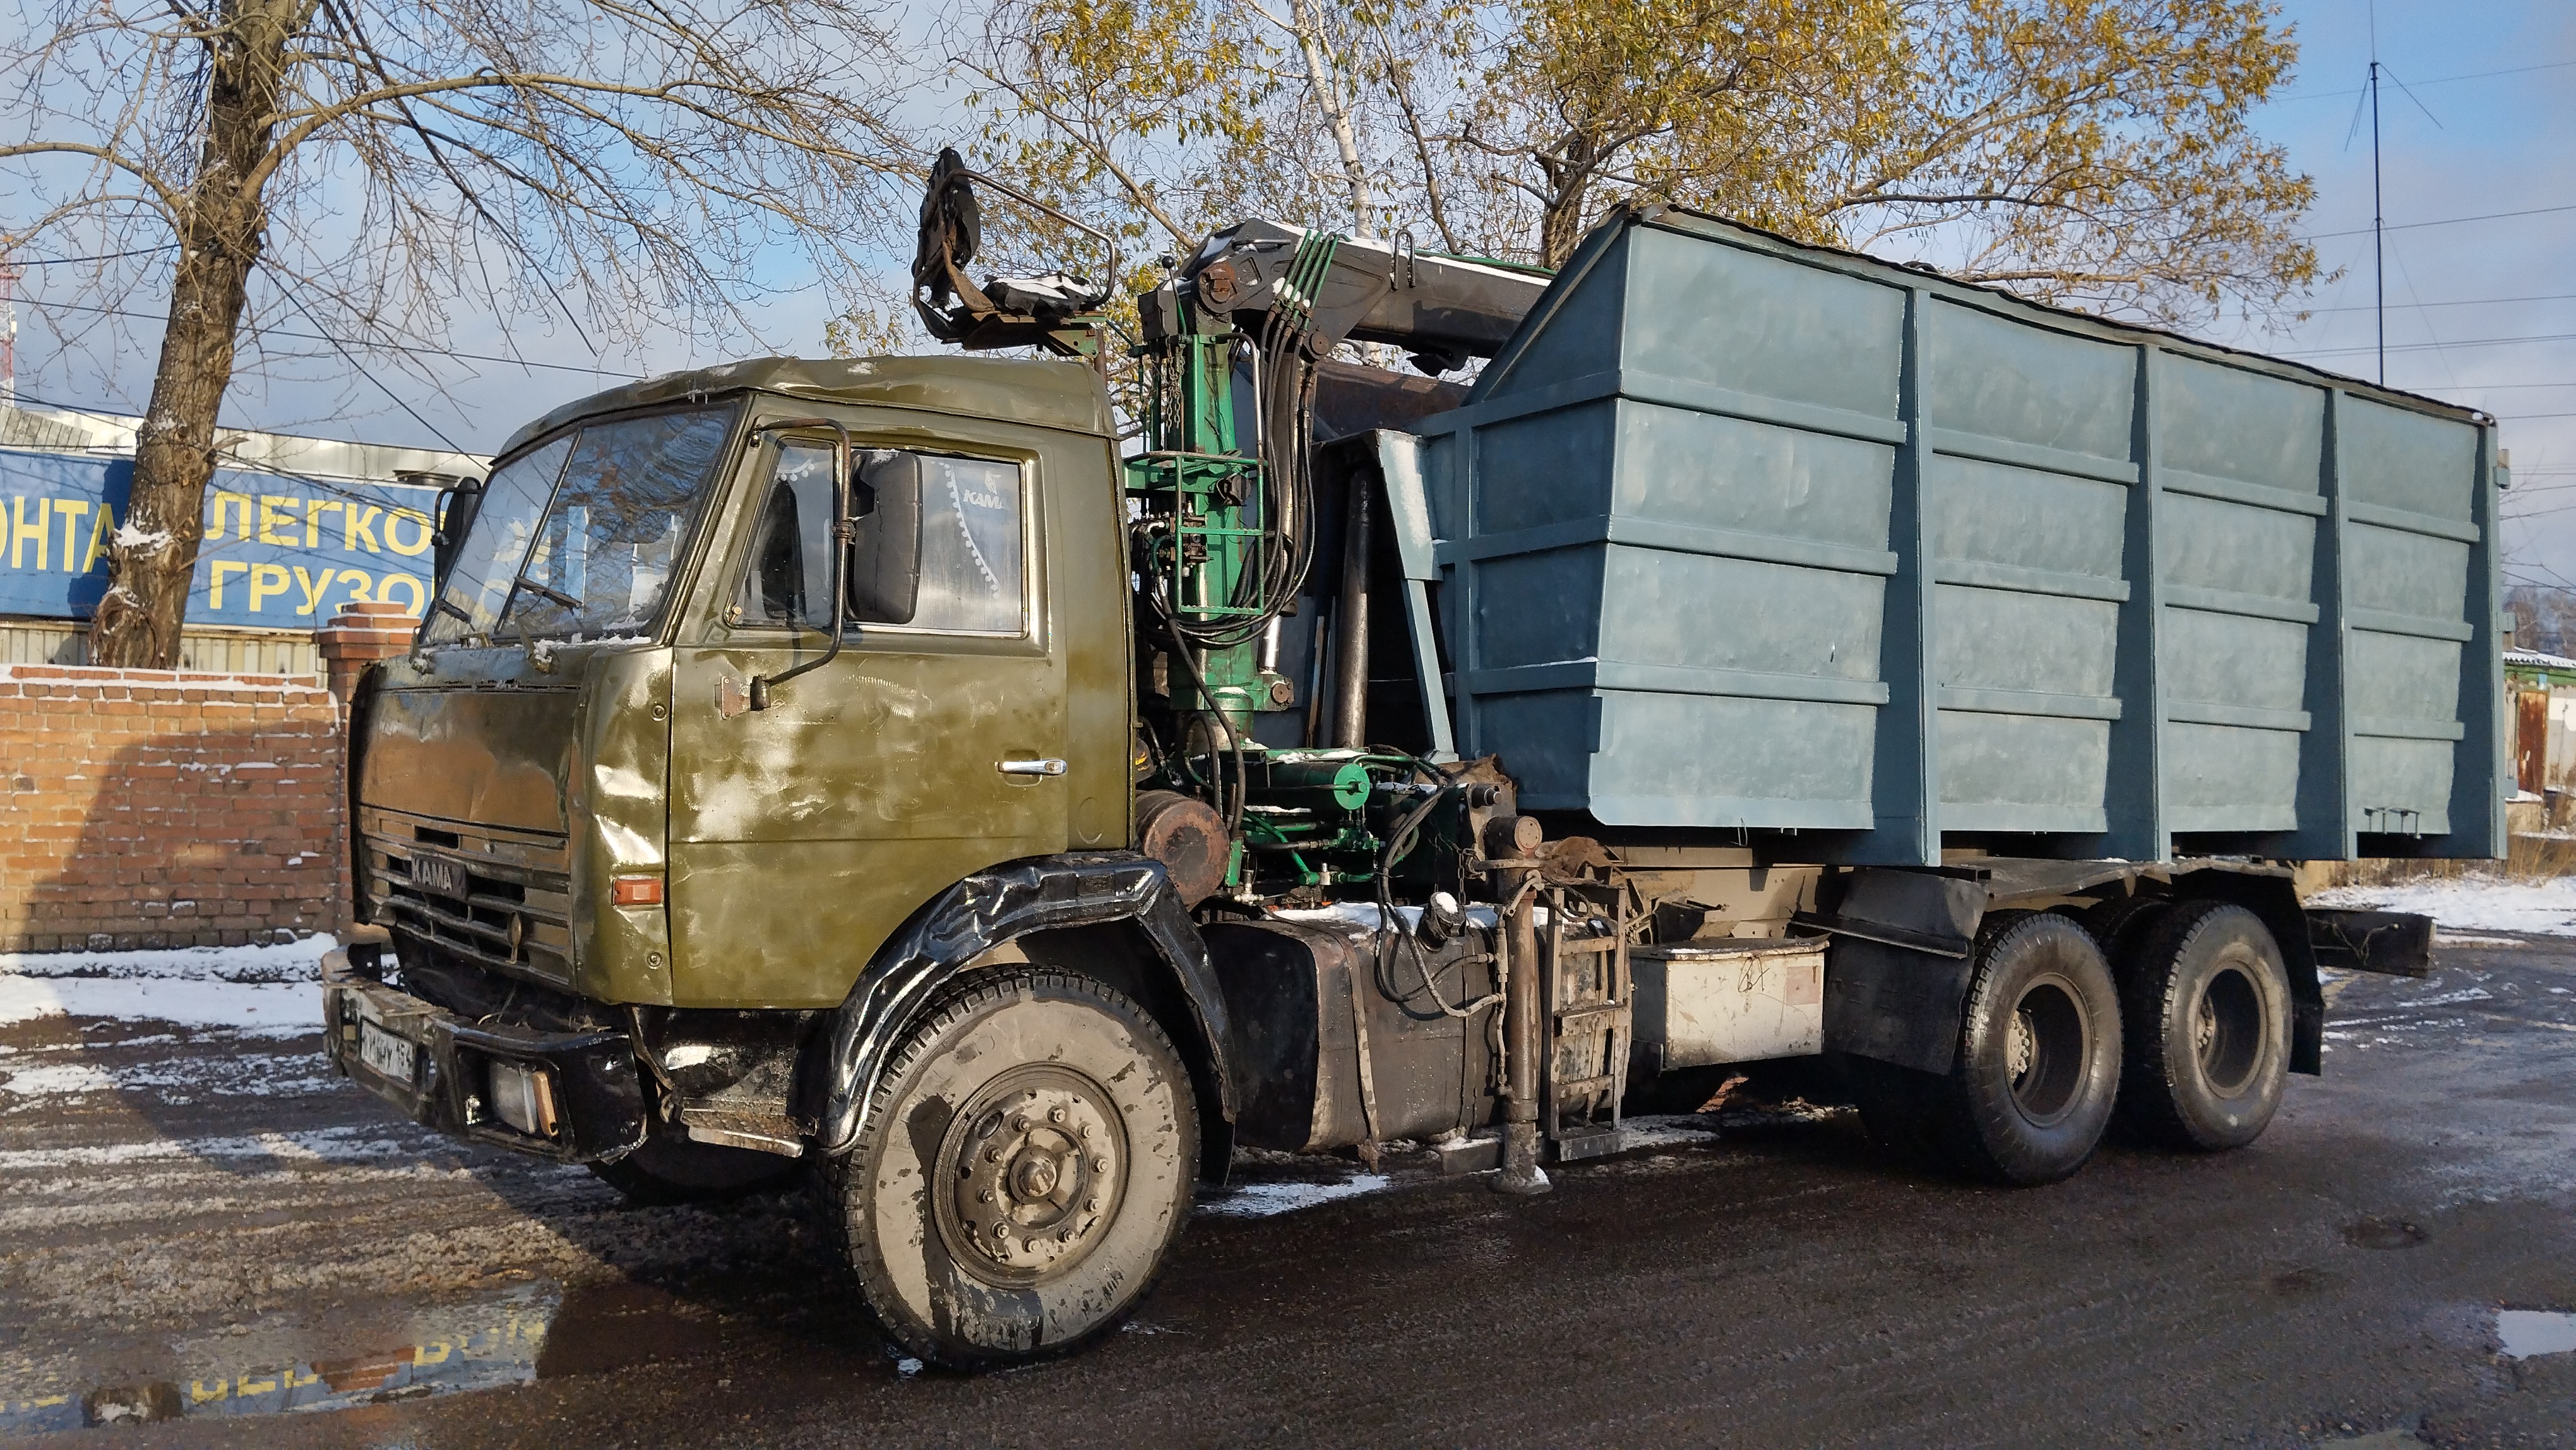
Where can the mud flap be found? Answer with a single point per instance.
(1899, 965)
(989, 908)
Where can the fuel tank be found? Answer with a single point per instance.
(1289, 991)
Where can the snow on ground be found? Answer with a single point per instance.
(2472, 903)
(263, 990)
(173, 1080)
(363, 1143)
(1262, 1200)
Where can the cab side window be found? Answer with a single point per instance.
(937, 543)
(789, 580)
(970, 544)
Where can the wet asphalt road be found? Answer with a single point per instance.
(216, 1230)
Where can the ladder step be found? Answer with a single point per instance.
(1593, 1020)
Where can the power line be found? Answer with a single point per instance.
(2435, 81)
(238, 464)
(2465, 302)
(321, 337)
(2423, 346)
(2448, 221)
(100, 257)
(363, 371)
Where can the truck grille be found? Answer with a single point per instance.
(494, 897)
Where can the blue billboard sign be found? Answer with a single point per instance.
(281, 551)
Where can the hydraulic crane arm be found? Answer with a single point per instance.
(1257, 274)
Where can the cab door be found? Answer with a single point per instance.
(930, 747)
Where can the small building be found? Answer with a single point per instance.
(2529, 669)
(296, 529)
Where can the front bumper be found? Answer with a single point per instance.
(597, 1096)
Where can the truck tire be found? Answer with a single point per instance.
(1025, 1170)
(2038, 1067)
(669, 1170)
(2118, 926)
(2207, 1003)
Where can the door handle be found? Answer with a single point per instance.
(1031, 767)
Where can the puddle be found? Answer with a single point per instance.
(2383, 1233)
(288, 1362)
(2527, 1333)
(481, 1344)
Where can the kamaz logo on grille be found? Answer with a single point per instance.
(438, 874)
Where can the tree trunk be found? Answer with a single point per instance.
(1569, 185)
(1309, 30)
(154, 555)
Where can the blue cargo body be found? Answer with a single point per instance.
(1747, 536)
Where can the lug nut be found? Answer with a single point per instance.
(987, 1195)
(1055, 1115)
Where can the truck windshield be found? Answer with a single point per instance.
(578, 536)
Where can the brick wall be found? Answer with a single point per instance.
(146, 808)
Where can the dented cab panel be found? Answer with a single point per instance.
(479, 736)
(619, 802)
(530, 787)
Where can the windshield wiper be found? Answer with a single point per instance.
(557, 595)
(448, 607)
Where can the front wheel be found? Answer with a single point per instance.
(1025, 1170)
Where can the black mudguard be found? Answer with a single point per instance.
(990, 908)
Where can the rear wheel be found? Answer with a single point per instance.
(2038, 1066)
(2207, 1003)
(1024, 1172)
(676, 1170)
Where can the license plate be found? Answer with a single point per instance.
(437, 873)
(386, 1054)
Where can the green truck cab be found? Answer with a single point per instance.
(628, 901)
(876, 772)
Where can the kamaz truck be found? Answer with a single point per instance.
(994, 806)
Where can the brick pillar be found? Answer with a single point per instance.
(359, 636)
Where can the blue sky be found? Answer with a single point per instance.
(2492, 143)
(2498, 79)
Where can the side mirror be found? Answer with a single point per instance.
(843, 477)
(885, 544)
(451, 518)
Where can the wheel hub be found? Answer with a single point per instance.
(1036, 1163)
(2023, 1047)
(2046, 1050)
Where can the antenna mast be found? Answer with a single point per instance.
(2378, 218)
(9, 275)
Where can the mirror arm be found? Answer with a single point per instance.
(842, 534)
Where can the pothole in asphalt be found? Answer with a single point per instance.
(2528, 1333)
(2383, 1233)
